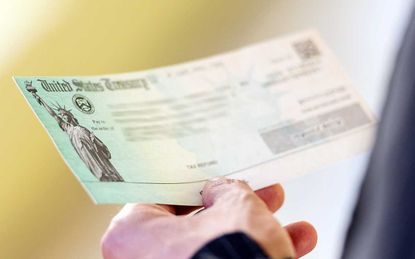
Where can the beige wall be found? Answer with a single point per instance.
(44, 211)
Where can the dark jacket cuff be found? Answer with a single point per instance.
(234, 245)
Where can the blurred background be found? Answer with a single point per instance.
(44, 212)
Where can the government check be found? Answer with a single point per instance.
(264, 113)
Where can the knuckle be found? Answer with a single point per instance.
(240, 195)
(246, 196)
(136, 211)
(111, 246)
(239, 185)
(113, 243)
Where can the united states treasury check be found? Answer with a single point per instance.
(264, 113)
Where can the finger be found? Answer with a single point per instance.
(144, 211)
(303, 236)
(216, 188)
(273, 196)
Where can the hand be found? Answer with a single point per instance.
(159, 231)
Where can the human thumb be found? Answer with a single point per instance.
(221, 187)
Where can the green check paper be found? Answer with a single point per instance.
(264, 113)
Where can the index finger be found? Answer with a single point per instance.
(273, 196)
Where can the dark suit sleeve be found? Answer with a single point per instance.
(383, 224)
(235, 245)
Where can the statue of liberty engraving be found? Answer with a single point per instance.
(92, 151)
